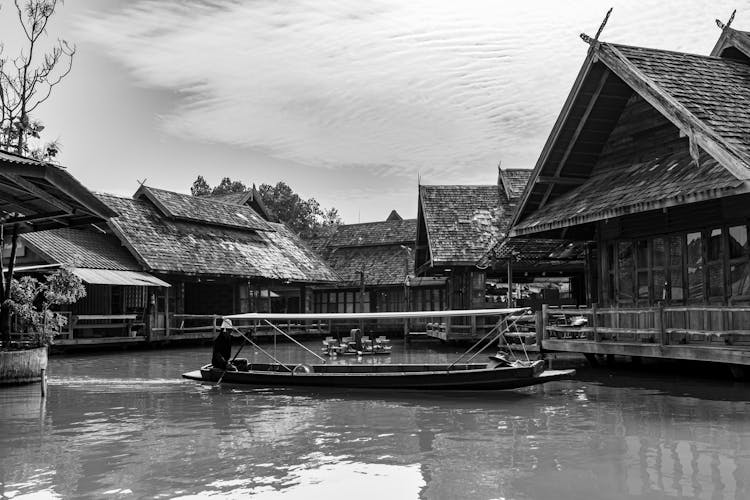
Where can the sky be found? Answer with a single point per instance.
(352, 103)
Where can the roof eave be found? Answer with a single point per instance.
(741, 188)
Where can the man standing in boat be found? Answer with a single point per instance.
(222, 351)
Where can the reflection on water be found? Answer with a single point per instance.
(126, 426)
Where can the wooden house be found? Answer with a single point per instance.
(462, 234)
(117, 289)
(650, 159)
(176, 262)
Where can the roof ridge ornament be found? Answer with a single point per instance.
(593, 41)
(729, 23)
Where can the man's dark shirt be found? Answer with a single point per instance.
(222, 350)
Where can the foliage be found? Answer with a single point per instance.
(200, 187)
(228, 186)
(26, 81)
(31, 301)
(305, 217)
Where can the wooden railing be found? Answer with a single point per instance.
(665, 325)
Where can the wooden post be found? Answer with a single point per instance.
(406, 329)
(510, 282)
(660, 326)
(362, 298)
(539, 326)
(473, 325)
(44, 382)
(545, 312)
(166, 311)
(595, 321)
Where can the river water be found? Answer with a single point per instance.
(125, 425)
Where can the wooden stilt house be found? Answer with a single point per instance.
(650, 159)
(375, 261)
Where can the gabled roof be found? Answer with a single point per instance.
(81, 248)
(251, 198)
(732, 44)
(40, 196)
(233, 198)
(463, 222)
(382, 248)
(706, 98)
(513, 181)
(394, 216)
(184, 246)
(202, 209)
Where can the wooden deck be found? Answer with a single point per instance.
(700, 333)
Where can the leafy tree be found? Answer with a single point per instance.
(27, 80)
(228, 186)
(200, 187)
(305, 217)
(31, 301)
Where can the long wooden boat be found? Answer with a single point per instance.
(442, 377)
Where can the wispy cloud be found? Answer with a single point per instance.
(426, 86)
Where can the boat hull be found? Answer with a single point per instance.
(467, 379)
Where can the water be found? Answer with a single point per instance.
(124, 425)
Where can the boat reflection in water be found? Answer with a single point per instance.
(125, 425)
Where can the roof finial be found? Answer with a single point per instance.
(590, 40)
(729, 23)
(142, 182)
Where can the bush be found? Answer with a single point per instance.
(31, 301)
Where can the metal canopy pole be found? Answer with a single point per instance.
(293, 340)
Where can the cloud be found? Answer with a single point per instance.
(444, 88)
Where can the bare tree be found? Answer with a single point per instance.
(27, 80)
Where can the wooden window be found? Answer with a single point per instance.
(625, 280)
(659, 268)
(676, 293)
(739, 264)
(715, 264)
(695, 280)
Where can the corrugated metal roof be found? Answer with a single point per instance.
(110, 277)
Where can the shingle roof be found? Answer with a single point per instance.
(374, 233)
(81, 249)
(707, 97)
(383, 264)
(632, 188)
(376, 245)
(186, 247)
(514, 180)
(715, 90)
(463, 222)
(203, 209)
(233, 198)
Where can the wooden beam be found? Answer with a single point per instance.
(731, 159)
(577, 132)
(37, 217)
(569, 181)
(39, 192)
